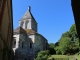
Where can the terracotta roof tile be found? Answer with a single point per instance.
(19, 30)
(30, 31)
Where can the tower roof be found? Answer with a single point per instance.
(19, 30)
(28, 14)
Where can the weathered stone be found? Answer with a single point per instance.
(28, 41)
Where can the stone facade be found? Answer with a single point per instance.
(27, 41)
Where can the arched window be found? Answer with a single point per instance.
(30, 45)
(22, 44)
(26, 24)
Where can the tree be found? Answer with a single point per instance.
(51, 49)
(69, 41)
(66, 34)
(43, 55)
(64, 45)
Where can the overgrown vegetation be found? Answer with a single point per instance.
(43, 55)
(68, 44)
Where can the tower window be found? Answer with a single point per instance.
(26, 24)
(30, 45)
(22, 44)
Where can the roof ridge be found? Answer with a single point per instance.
(19, 30)
(28, 14)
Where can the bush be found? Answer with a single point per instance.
(43, 55)
(50, 58)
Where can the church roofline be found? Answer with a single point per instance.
(19, 30)
(32, 32)
(29, 8)
(28, 15)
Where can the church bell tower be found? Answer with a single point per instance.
(28, 21)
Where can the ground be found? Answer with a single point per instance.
(71, 57)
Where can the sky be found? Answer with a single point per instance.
(54, 17)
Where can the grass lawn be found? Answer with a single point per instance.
(71, 57)
(77, 56)
(59, 56)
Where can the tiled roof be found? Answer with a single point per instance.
(30, 31)
(19, 30)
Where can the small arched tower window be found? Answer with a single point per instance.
(30, 45)
(26, 23)
(22, 44)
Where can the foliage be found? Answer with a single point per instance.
(52, 45)
(43, 55)
(64, 45)
(68, 43)
(51, 49)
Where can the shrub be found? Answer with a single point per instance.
(43, 55)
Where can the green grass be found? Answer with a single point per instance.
(71, 57)
(78, 57)
(59, 56)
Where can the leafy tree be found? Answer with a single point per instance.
(56, 44)
(58, 52)
(66, 34)
(43, 55)
(64, 44)
(73, 30)
(69, 41)
(52, 50)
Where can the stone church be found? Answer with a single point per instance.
(27, 41)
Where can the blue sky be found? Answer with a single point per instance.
(54, 17)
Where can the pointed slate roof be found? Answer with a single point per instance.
(19, 30)
(28, 14)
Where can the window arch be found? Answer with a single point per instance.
(26, 23)
(30, 45)
(22, 44)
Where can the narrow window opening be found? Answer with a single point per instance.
(30, 45)
(22, 44)
(26, 24)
